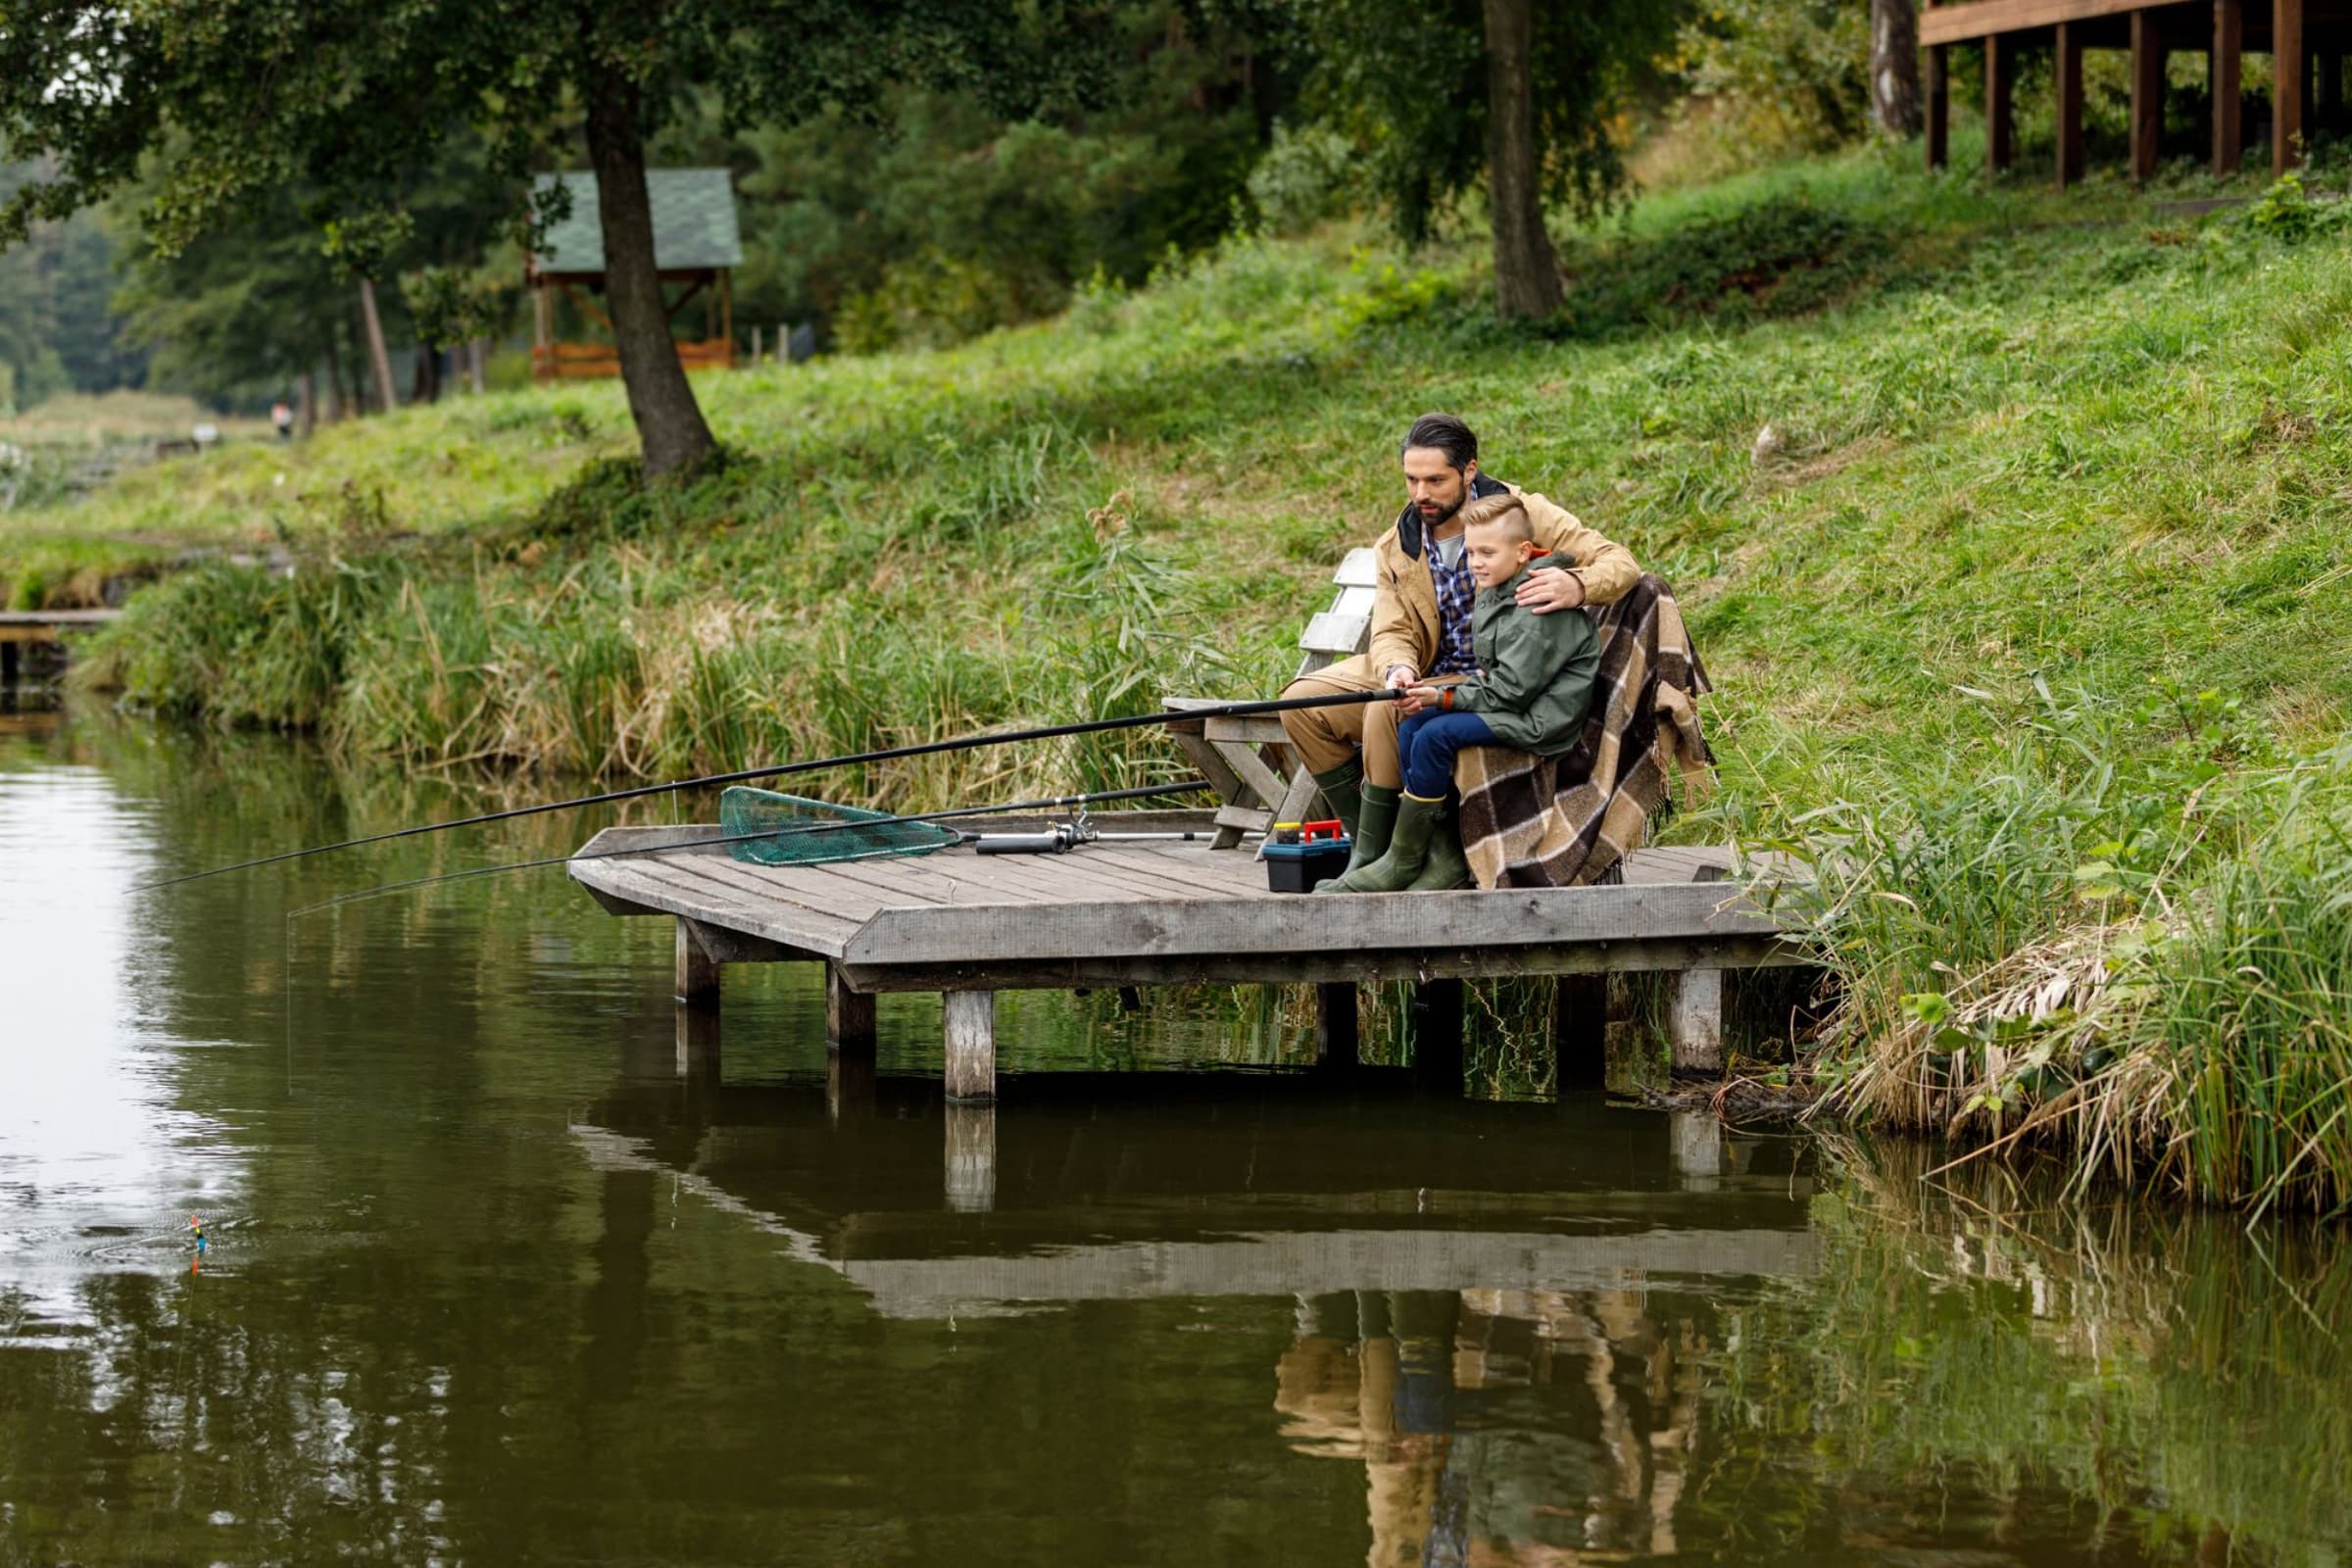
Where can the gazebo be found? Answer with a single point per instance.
(695, 245)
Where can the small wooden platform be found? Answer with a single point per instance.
(1112, 914)
(19, 627)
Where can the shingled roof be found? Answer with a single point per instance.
(694, 222)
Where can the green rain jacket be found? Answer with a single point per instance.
(1534, 672)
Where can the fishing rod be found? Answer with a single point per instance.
(1046, 803)
(1096, 726)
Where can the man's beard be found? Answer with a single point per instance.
(1439, 519)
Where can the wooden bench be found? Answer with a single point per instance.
(1249, 761)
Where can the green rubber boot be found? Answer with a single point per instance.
(1446, 866)
(1340, 790)
(1373, 831)
(1408, 849)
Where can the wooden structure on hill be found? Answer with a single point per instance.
(2306, 41)
(696, 247)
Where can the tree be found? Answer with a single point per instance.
(233, 99)
(1894, 66)
(1509, 95)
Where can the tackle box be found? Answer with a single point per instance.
(1299, 854)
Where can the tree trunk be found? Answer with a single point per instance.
(338, 395)
(379, 360)
(1894, 66)
(478, 354)
(1527, 275)
(670, 428)
(307, 414)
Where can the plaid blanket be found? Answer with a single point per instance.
(1536, 821)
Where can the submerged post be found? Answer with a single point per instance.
(971, 1045)
(698, 1042)
(697, 972)
(1580, 1032)
(1335, 1024)
(1438, 1033)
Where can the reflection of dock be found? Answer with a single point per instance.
(1502, 1314)
(1290, 1192)
(1115, 915)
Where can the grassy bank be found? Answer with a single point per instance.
(2025, 611)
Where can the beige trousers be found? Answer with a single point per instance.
(1326, 738)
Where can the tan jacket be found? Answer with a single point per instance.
(1405, 605)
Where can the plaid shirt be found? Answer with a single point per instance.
(1457, 595)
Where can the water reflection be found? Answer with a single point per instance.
(516, 1261)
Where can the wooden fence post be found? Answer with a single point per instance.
(2228, 86)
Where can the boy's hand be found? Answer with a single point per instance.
(1550, 588)
(1416, 698)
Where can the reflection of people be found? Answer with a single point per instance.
(283, 415)
(1421, 612)
(1418, 1385)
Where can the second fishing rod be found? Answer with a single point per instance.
(1096, 726)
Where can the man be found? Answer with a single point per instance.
(1423, 597)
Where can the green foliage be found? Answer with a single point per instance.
(1406, 79)
(1772, 76)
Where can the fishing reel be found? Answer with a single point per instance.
(1059, 839)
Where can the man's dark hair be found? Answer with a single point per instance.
(1446, 434)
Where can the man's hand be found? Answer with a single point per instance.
(1550, 588)
(1402, 678)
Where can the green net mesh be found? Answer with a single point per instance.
(842, 832)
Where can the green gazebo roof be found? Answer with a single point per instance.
(694, 222)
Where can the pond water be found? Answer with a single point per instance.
(488, 1279)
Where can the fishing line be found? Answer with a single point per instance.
(1042, 804)
(1096, 726)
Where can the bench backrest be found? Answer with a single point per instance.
(1346, 628)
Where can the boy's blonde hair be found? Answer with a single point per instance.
(1502, 511)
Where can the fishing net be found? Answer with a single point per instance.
(811, 832)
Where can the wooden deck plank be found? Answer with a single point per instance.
(1277, 925)
(664, 888)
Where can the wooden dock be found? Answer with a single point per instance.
(1132, 915)
(19, 628)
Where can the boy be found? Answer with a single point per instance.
(1532, 685)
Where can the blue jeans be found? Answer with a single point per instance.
(1428, 742)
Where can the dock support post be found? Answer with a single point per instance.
(698, 1042)
(2286, 84)
(696, 974)
(1695, 1022)
(848, 1015)
(8, 664)
(1939, 96)
(2000, 124)
(973, 1157)
(1438, 1033)
(1580, 1032)
(2147, 93)
(971, 1024)
(2228, 86)
(1335, 1024)
(1697, 1140)
(2069, 73)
